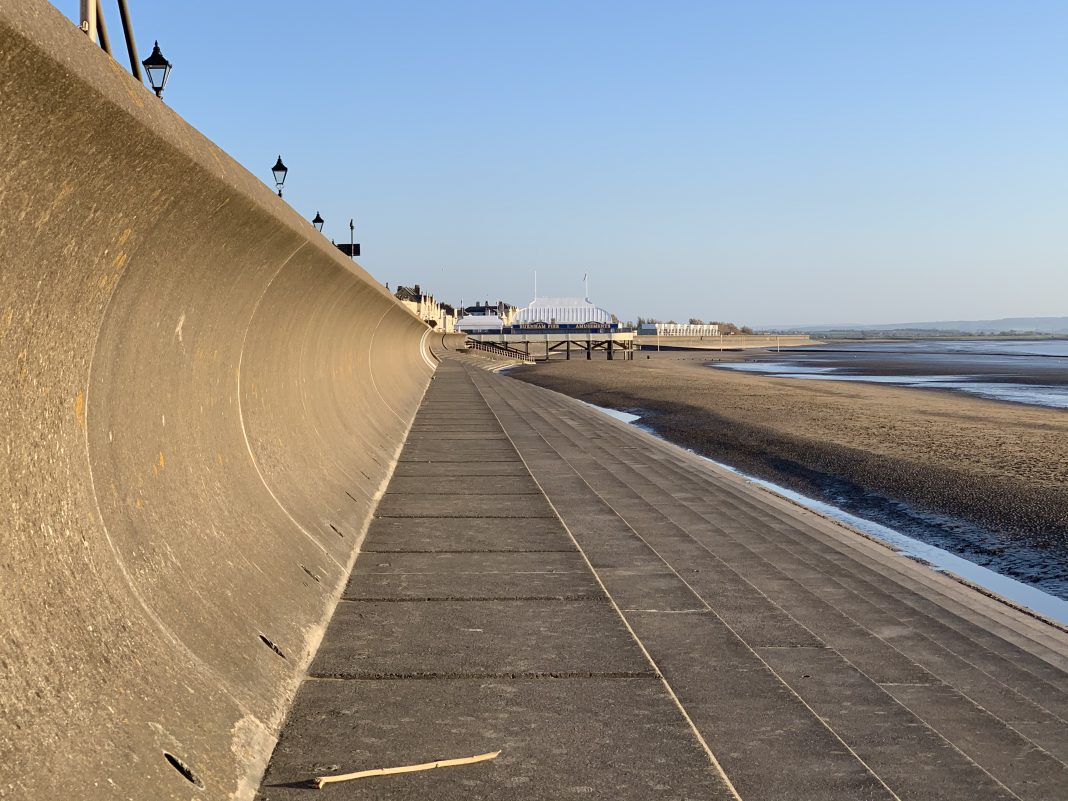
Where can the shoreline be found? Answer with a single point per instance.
(1026, 598)
(1036, 374)
(989, 480)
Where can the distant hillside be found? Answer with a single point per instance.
(1038, 325)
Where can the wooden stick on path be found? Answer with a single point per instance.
(321, 781)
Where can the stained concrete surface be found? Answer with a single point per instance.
(463, 485)
(561, 738)
(477, 630)
(809, 661)
(461, 504)
(464, 534)
(482, 637)
(470, 576)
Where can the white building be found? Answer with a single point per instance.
(678, 330)
(479, 323)
(559, 311)
(500, 308)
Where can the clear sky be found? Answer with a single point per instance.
(762, 162)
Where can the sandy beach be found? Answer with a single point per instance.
(998, 465)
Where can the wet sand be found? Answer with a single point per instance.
(999, 466)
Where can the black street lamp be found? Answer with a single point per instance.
(318, 222)
(280, 171)
(158, 69)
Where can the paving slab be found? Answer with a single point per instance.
(435, 429)
(465, 485)
(436, 435)
(435, 534)
(435, 411)
(771, 745)
(470, 563)
(475, 587)
(608, 739)
(879, 659)
(438, 468)
(751, 614)
(936, 647)
(368, 639)
(497, 450)
(908, 755)
(1022, 766)
(608, 549)
(437, 421)
(463, 505)
(652, 589)
(466, 576)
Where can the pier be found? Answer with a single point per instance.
(560, 343)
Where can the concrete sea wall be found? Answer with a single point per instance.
(200, 400)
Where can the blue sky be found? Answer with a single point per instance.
(761, 162)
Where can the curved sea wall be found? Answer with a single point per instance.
(201, 400)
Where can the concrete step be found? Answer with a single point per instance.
(993, 663)
(680, 476)
(1041, 688)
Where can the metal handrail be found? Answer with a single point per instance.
(500, 350)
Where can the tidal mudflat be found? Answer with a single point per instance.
(1033, 372)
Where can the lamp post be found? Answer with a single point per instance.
(158, 69)
(280, 171)
(318, 222)
(352, 238)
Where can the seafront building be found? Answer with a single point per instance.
(441, 316)
(486, 316)
(678, 330)
(477, 323)
(501, 309)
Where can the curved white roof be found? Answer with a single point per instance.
(474, 322)
(561, 310)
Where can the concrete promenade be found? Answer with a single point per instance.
(624, 621)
